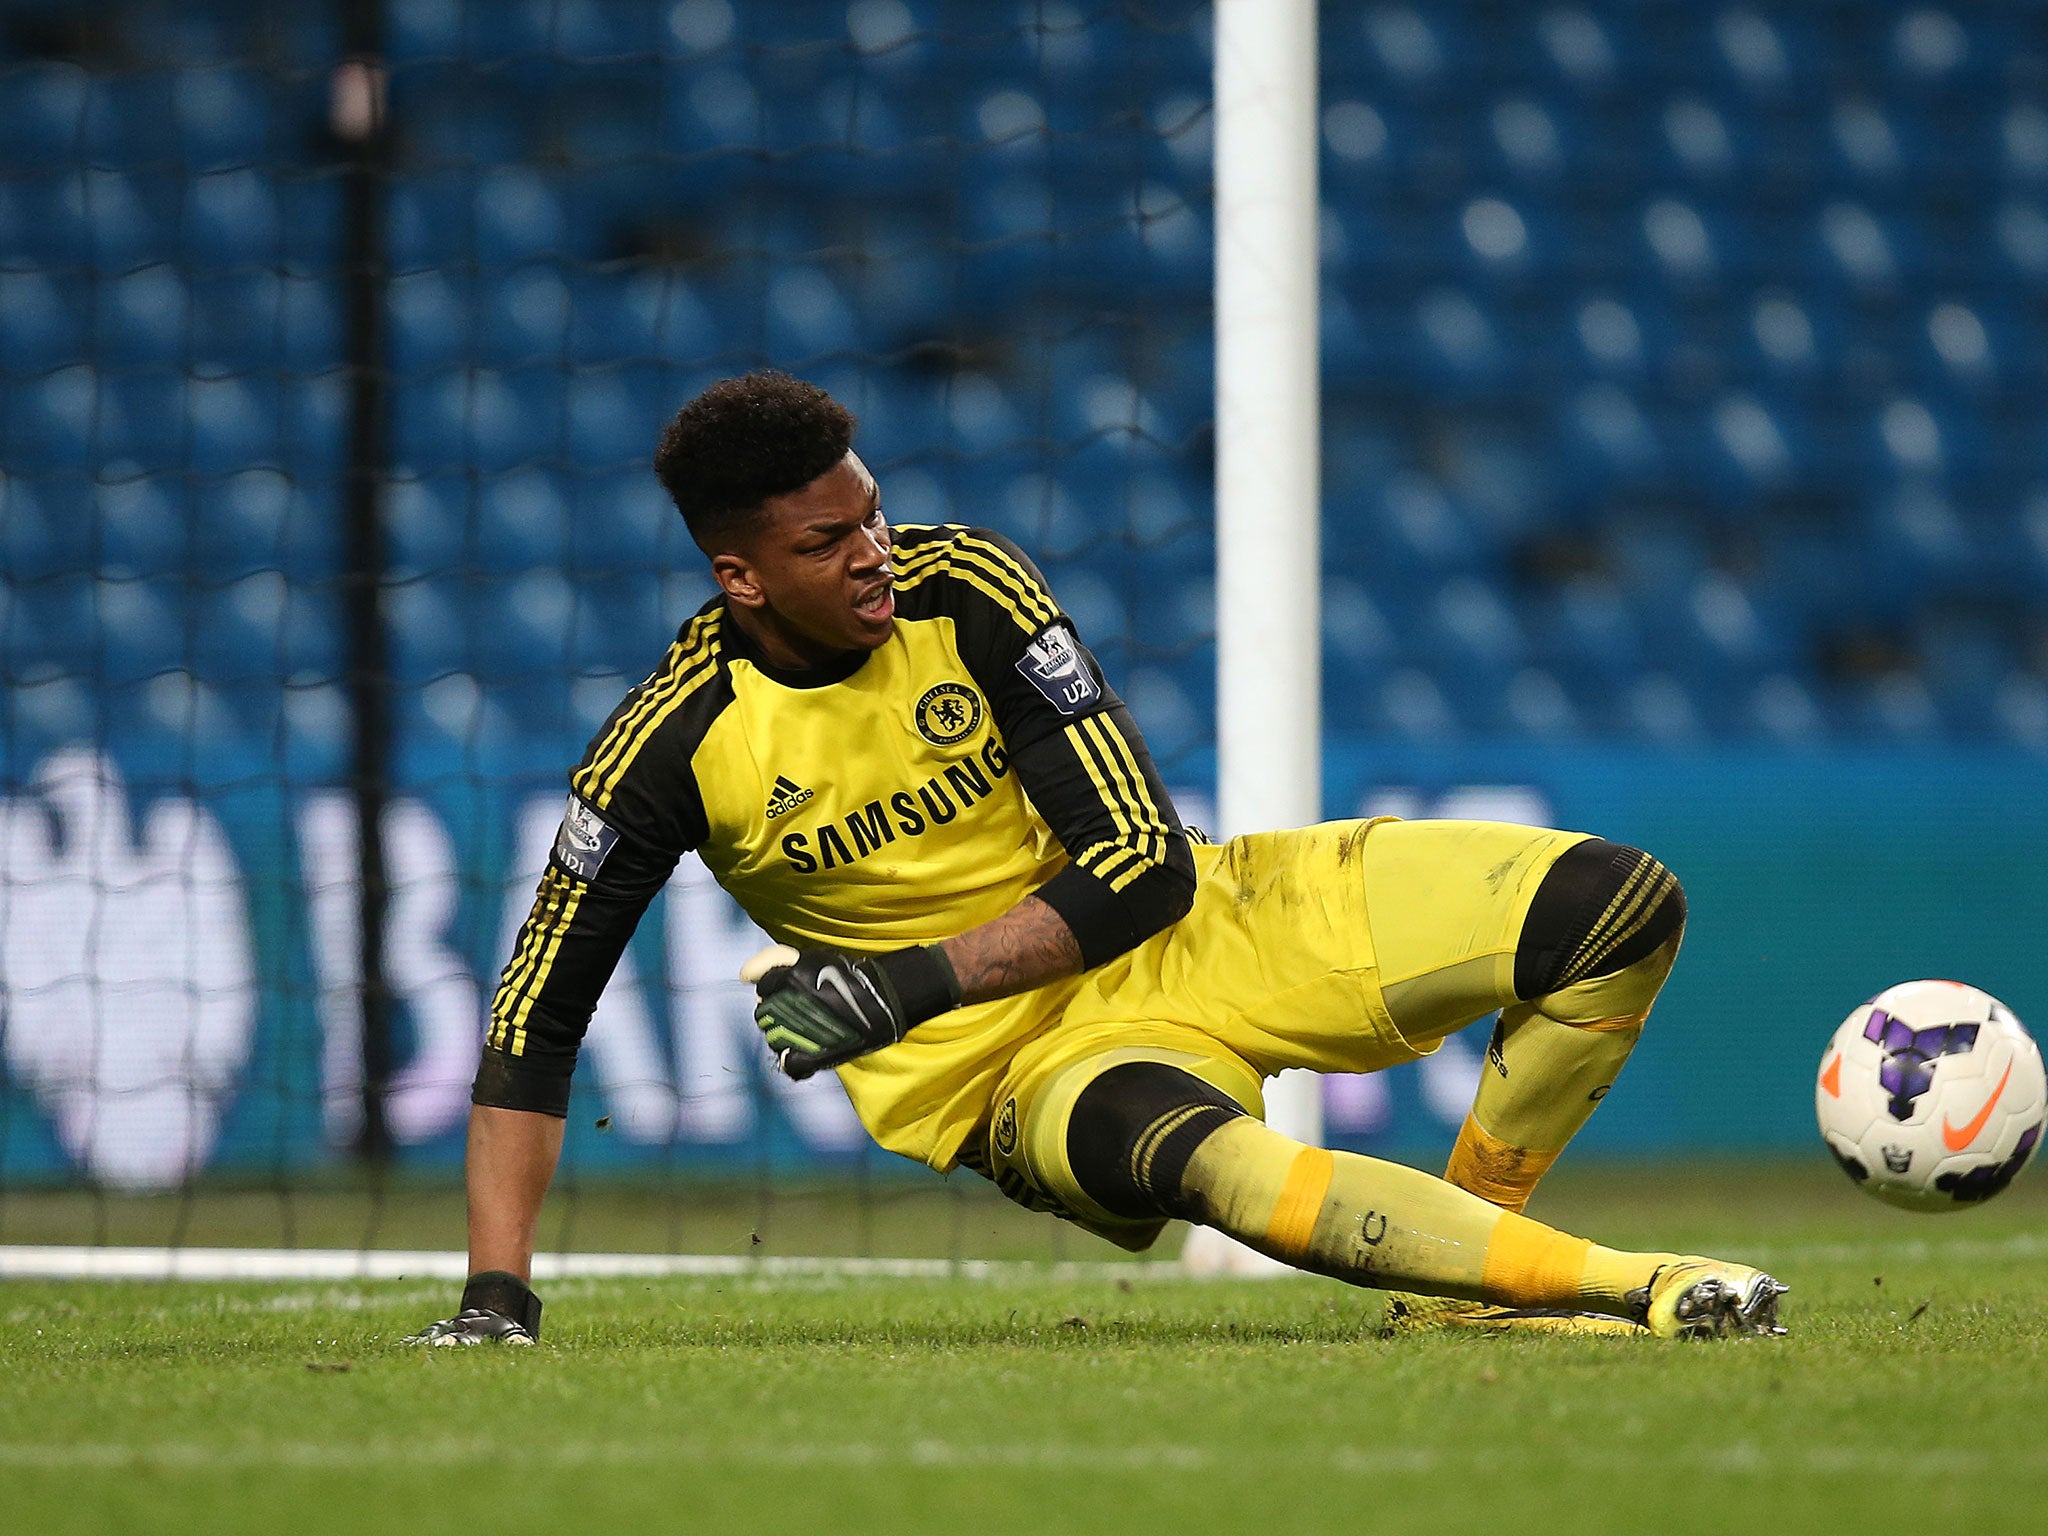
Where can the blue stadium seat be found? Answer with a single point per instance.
(55, 622)
(144, 524)
(581, 31)
(313, 425)
(426, 31)
(652, 313)
(522, 522)
(1173, 707)
(264, 627)
(1664, 710)
(143, 317)
(429, 523)
(1725, 630)
(620, 623)
(1410, 704)
(2021, 711)
(1096, 604)
(525, 317)
(223, 118)
(808, 317)
(1689, 241)
(1763, 58)
(1536, 703)
(232, 220)
(1357, 637)
(429, 221)
(123, 121)
(1457, 344)
(1754, 442)
(1656, 559)
(49, 420)
(1896, 707)
(1932, 47)
(538, 622)
(120, 221)
(431, 317)
(1418, 525)
(1782, 709)
(490, 419)
(309, 211)
(1700, 140)
(1408, 50)
(43, 113)
(260, 319)
(1966, 342)
(1470, 628)
(141, 420)
(1587, 629)
(903, 419)
(615, 415)
(141, 626)
(452, 123)
(1036, 510)
(519, 215)
(621, 519)
(1864, 245)
(42, 217)
(261, 519)
(1914, 540)
(428, 635)
(235, 423)
(40, 322)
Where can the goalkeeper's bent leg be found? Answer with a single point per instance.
(1597, 946)
(1573, 965)
(1375, 1223)
(1148, 1138)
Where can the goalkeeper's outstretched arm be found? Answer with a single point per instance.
(591, 899)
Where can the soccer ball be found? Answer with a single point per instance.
(1931, 1096)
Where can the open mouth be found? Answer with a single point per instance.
(875, 601)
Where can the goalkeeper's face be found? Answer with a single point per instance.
(814, 575)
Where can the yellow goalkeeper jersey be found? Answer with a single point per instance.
(900, 797)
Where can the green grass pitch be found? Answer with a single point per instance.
(1908, 1397)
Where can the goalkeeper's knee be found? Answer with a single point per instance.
(1601, 933)
(1132, 1132)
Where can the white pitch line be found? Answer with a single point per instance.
(1738, 1459)
(53, 1262)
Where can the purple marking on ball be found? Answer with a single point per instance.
(1910, 1054)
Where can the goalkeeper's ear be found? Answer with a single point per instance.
(774, 957)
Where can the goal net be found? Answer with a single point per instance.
(334, 340)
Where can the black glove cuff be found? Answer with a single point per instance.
(500, 1291)
(923, 981)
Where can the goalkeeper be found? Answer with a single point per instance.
(891, 747)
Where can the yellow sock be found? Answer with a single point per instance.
(1376, 1223)
(1535, 1090)
(1531, 1265)
(1496, 1171)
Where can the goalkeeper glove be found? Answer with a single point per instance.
(820, 1007)
(497, 1308)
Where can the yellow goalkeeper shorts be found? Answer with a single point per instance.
(1277, 965)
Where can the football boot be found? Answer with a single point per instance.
(1696, 1298)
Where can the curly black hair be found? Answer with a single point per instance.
(742, 441)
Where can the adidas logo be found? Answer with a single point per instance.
(786, 796)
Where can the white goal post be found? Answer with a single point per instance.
(1268, 466)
